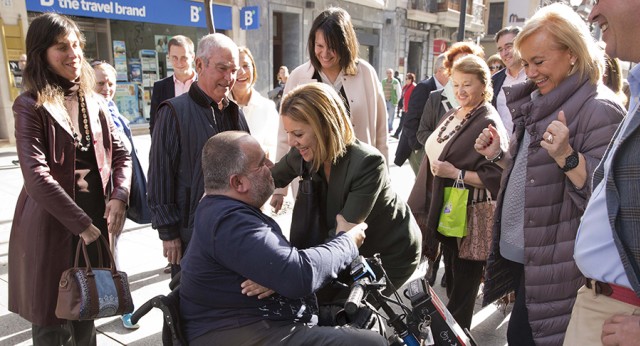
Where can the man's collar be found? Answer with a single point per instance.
(202, 99)
(193, 78)
(520, 72)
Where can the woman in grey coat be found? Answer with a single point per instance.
(564, 117)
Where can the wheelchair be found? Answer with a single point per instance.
(172, 334)
(426, 319)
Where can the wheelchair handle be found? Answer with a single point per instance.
(142, 310)
(354, 301)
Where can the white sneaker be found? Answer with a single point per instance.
(126, 322)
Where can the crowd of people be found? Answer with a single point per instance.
(541, 132)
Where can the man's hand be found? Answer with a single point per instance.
(172, 250)
(621, 330)
(276, 202)
(354, 231)
(251, 289)
(90, 234)
(116, 214)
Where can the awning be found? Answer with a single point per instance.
(172, 12)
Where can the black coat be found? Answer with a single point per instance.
(408, 141)
(496, 81)
(163, 89)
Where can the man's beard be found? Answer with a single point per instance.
(263, 189)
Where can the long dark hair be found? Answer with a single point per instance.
(335, 24)
(44, 32)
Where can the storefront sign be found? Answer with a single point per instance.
(439, 46)
(518, 12)
(173, 12)
(250, 18)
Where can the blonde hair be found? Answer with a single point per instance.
(475, 65)
(319, 106)
(569, 32)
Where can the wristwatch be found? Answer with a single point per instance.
(571, 162)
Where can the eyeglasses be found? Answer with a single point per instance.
(496, 67)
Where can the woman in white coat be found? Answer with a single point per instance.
(333, 52)
(260, 112)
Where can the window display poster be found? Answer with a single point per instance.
(135, 66)
(161, 43)
(120, 60)
(126, 99)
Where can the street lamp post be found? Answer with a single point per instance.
(463, 17)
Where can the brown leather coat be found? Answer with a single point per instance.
(46, 216)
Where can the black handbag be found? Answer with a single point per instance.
(308, 220)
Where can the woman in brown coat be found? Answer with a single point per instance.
(449, 156)
(76, 177)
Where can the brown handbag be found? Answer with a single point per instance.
(87, 293)
(476, 246)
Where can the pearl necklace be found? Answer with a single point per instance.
(441, 138)
(85, 122)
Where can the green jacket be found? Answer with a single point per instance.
(360, 190)
(396, 90)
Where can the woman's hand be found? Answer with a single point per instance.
(90, 234)
(556, 139)
(251, 289)
(115, 213)
(444, 169)
(276, 202)
(488, 142)
(353, 230)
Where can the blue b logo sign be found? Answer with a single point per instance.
(250, 18)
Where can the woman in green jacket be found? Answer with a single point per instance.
(355, 176)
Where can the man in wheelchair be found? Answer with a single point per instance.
(236, 251)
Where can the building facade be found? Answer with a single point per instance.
(405, 35)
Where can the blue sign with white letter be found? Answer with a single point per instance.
(250, 18)
(173, 12)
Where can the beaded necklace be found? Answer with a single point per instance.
(440, 138)
(85, 122)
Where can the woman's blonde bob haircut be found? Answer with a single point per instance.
(475, 65)
(569, 32)
(319, 106)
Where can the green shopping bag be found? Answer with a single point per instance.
(453, 217)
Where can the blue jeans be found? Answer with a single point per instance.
(391, 113)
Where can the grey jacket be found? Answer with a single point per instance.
(553, 205)
(623, 203)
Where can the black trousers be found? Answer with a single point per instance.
(519, 330)
(463, 282)
(72, 333)
(289, 333)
